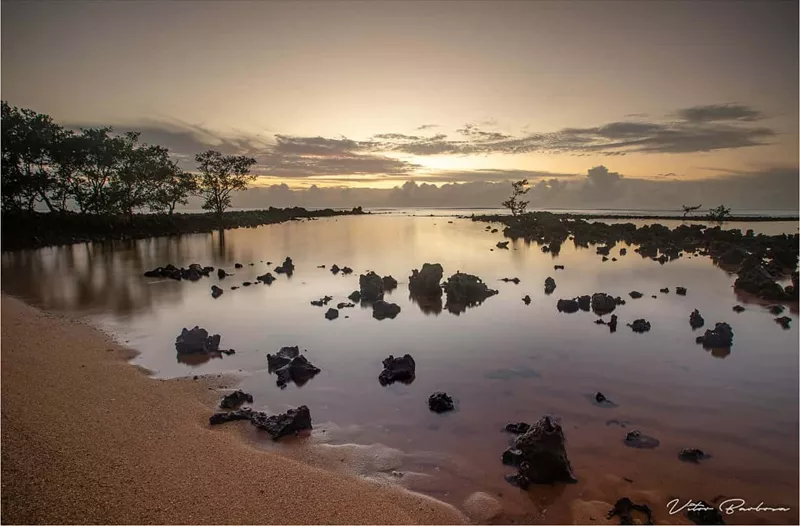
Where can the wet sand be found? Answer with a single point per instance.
(88, 438)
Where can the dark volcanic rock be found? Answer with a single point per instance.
(347, 270)
(549, 285)
(286, 268)
(246, 284)
(389, 283)
(230, 416)
(603, 303)
(465, 290)
(371, 286)
(502, 244)
(235, 399)
(738, 308)
(335, 268)
(605, 258)
(425, 282)
(584, 302)
(638, 440)
(558, 267)
(783, 321)
(612, 325)
(512, 457)
(344, 305)
(665, 290)
(623, 251)
(282, 357)
(719, 337)
(526, 299)
(332, 314)
(440, 402)
(756, 279)
(267, 278)
(196, 340)
(696, 320)
(680, 291)
(355, 296)
(775, 309)
(216, 292)
(543, 457)
(704, 513)
(518, 427)
(298, 370)
(320, 266)
(635, 294)
(624, 509)
(692, 455)
(322, 301)
(238, 265)
(600, 398)
(383, 309)
(568, 306)
(288, 423)
(398, 370)
(221, 273)
(515, 281)
(640, 325)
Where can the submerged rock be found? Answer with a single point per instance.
(600, 398)
(286, 268)
(624, 509)
(238, 265)
(235, 399)
(389, 283)
(332, 314)
(322, 301)
(216, 292)
(543, 456)
(692, 455)
(518, 427)
(196, 340)
(602, 303)
(719, 337)
(440, 402)
(383, 309)
(641, 441)
(568, 306)
(784, 321)
(738, 308)
(246, 284)
(425, 282)
(775, 309)
(355, 296)
(584, 302)
(465, 290)
(398, 370)
(640, 325)
(221, 273)
(612, 325)
(526, 299)
(282, 357)
(347, 270)
(266, 278)
(549, 285)
(371, 286)
(696, 320)
(335, 268)
(756, 279)
(515, 281)
(635, 294)
(502, 244)
(344, 305)
(680, 291)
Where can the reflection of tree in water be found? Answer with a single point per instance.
(198, 358)
(720, 352)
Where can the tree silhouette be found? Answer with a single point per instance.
(687, 209)
(514, 203)
(719, 214)
(221, 175)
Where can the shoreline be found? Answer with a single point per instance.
(114, 445)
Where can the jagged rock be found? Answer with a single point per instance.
(389, 283)
(440, 402)
(599, 321)
(755, 279)
(612, 325)
(282, 357)
(196, 340)
(603, 250)
(383, 309)
(286, 268)
(527, 299)
(465, 290)
(638, 440)
(344, 305)
(288, 423)
(238, 265)
(600, 398)
(322, 301)
(613, 259)
(704, 513)
(640, 325)
(494, 231)
(604, 259)
(624, 509)
(568, 306)
(680, 291)
(515, 281)
(584, 302)
(425, 282)
(216, 292)
(775, 309)
(502, 244)
(335, 268)
(549, 285)
(332, 314)
(298, 370)
(398, 370)
(512, 457)
(221, 273)
(558, 267)
(267, 278)
(720, 337)
(784, 321)
(371, 286)
(692, 455)
(355, 296)
(347, 270)
(230, 416)
(543, 458)
(635, 294)
(623, 251)
(665, 290)
(602, 303)
(235, 399)
(246, 284)
(696, 320)
(738, 308)
(518, 427)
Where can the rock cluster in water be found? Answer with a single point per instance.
(193, 273)
(721, 336)
(287, 267)
(289, 365)
(371, 286)
(465, 290)
(401, 369)
(624, 509)
(196, 340)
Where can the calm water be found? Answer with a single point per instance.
(502, 361)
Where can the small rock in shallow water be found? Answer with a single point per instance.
(784, 321)
(502, 244)
(383, 309)
(343, 305)
(624, 509)
(558, 267)
(692, 455)
(355, 296)
(543, 458)
(216, 292)
(600, 398)
(371, 286)
(775, 309)
(238, 265)
(266, 278)
(389, 283)
(515, 281)
(680, 291)
(527, 299)
(221, 273)
(322, 301)
(696, 320)
(298, 370)
(738, 308)
(246, 284)
(640, 325)
(332, 314)
(196, 340)
(549, 285)
(665, 290)
(640, 441)
(440, 402)
(612, 325)
(635, 294)
(286, 268)
(568, 306)
(398, 370)
(720, 337)
(235, 399)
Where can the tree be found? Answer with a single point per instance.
(514, 203)
(719, 214)
(96, 158)
(221, 175)
(687, 209)
(173, 187)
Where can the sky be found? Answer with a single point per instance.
(598, 104)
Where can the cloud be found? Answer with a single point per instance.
(427, 126)
(720, 112)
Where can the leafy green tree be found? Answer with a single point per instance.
(220, 176)
(514, 203)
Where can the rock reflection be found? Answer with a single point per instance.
(427, 304)
(197, 359)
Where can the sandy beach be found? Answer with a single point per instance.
(88, 438)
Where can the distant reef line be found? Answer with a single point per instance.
(43, 229)
(694, 219)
